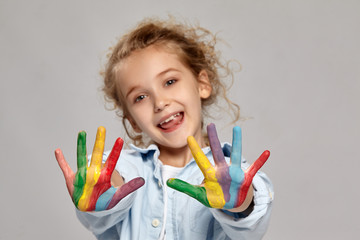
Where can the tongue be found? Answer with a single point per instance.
(172, 123)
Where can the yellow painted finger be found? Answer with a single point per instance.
(98, 150)
(214, 191)
(202, 161)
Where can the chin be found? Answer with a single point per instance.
(175, 144)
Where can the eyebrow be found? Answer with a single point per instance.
(168, 70)
(131, 90)
(158, 75)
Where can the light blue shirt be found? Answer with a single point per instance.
(140, 214)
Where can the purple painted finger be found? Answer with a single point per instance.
(125, 190)
(222, 172)
(215, 145)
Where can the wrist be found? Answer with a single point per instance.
(247, 204)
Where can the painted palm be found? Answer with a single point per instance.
(90, 188)
(225, 186)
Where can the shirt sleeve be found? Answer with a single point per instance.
(103, 223)
(100, 221)
(255, 224)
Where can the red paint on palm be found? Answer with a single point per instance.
(104, 183)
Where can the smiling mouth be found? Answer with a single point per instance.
(172, 122)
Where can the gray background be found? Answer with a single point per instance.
(299, 82)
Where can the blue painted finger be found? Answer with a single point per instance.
(236, 150)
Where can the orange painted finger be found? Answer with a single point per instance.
(66, 170)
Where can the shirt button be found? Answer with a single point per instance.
(155, 222)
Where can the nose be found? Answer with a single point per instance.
(160, 103)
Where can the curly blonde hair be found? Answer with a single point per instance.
(195, 47)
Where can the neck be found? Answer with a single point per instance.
(176, 157)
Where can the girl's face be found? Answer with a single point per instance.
(162, 96)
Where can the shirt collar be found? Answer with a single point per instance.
(151, 147)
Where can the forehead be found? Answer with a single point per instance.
(146, 64)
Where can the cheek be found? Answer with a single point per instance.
(188, 93)
(193, 98)
(141, 115)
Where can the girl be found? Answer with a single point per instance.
(162, 77)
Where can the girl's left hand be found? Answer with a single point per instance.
(225, 186)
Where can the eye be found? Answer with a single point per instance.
(139, 98)
(170, 82)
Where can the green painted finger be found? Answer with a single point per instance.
(80, 177)
(197, 192)
(81, 150)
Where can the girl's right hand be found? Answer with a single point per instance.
(90, 188)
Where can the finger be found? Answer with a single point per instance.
(81, 150)
(98, 150)
(236, 150)
(80, 177)
(125, 190)
(258, 164)
(112, 160)
(249, 175)
(66, 170)
(222, 171)
(215, 145)
(202, 161)
(197, 192)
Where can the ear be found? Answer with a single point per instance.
(133, 124)
(205, 88)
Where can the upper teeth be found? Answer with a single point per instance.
(170, 118)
